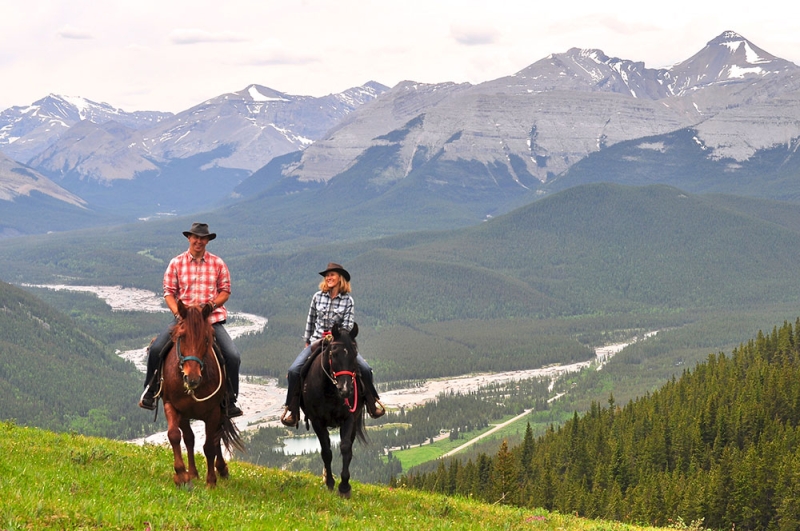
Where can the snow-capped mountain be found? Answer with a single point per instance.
(27, 131)
(478, 149)
(224, 139)
(540, 121)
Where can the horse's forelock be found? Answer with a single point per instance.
(194, 326)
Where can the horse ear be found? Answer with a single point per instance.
(354, 331)
(335, 330)
(181, 308)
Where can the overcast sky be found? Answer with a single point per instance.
(169, 55)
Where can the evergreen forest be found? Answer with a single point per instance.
(720, 445)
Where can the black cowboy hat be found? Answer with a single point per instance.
(200, 229)
(339, 269)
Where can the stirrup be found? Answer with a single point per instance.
(288, 418)
(148, 400)
(377, 410)
(233, 411)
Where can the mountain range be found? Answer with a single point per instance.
(421, 156)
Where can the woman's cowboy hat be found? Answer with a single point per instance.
(200, 229)
(339, 269)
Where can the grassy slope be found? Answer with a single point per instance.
(55, 481)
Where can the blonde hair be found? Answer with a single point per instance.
(344, 285)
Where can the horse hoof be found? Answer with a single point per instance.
(345, 495)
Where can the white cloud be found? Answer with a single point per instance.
(198, 36)
(172, 54)
(71, 32)
(474, 34)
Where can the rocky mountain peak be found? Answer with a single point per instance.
(727, 58)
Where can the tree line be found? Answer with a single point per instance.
(720, 444)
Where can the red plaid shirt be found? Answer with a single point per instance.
(197, 282)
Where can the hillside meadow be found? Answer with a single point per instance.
(63, 481)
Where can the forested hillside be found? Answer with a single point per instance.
(720, 444)
(538, 285)
(56, 376)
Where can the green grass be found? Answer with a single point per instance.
(62, 481)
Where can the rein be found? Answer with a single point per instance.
(332, 376)
(184, 359)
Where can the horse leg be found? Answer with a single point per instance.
(325, 451)
(188, 440)
(221, 465)
(212, 448)
(174, 435)
(347, 437)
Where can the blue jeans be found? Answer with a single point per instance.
(229, 352)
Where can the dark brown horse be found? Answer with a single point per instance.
(332, 399)
(193, 388)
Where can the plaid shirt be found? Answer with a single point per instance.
(197, 282)
(324, 312)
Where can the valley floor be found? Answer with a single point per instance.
(262, 399)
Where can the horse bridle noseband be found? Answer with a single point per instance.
(183, 359)
(328, 341)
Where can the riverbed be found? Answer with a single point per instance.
(262, 400)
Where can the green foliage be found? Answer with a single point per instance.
(56, 376)
(719, 445)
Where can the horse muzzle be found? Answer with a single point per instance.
(191, 382)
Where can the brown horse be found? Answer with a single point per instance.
(332, 399)
(193, 387)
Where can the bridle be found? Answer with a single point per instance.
(183, 359)
(327, 344)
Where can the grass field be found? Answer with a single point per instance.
(62, 481)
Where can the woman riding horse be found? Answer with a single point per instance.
(332, 304)
(331, 399)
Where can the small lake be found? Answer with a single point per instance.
(301, 445)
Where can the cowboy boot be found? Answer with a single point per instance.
(229, 404)
(375, 407)
(291, 413)
(148, 399)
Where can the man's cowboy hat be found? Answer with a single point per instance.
(339, 269)
(200, 229)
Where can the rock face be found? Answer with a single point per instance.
(548, 116)
(244, 130)
(17, 180)
(27, 131)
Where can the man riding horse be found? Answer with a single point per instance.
(197, 277)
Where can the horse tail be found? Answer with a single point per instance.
(229, 435)
(361, 432)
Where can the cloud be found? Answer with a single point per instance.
(272, 53)
(71, 32)
(474, 35)
(197, 36)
